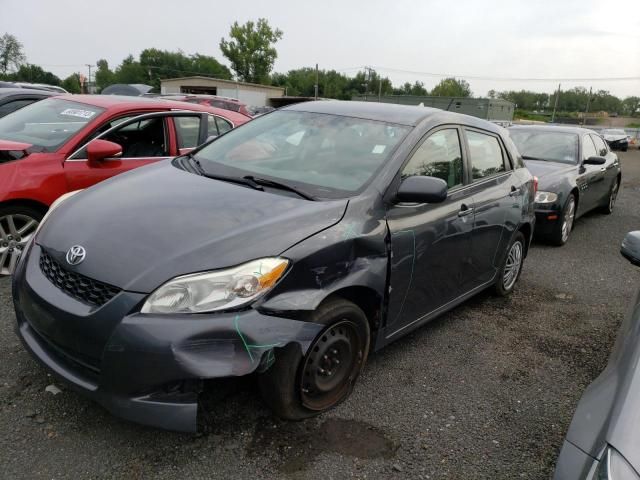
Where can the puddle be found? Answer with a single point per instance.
(298, 443)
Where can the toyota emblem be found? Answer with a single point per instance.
(76, 255)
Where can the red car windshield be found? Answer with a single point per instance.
(48, 123)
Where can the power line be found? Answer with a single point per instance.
(509, 79)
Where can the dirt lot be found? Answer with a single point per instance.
(487, 391)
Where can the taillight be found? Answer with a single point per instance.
(535, 185)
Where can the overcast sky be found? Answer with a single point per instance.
(518, 39)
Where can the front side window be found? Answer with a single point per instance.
(330, 156)
(48, 123)
(546, 145)
(486, 155)
(601, 147)
(438, 156)
(588, 148)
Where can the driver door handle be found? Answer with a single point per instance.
(514, 191)
(465, 210)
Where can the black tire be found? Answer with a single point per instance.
(508, 275)
(24, 221)
(558, 236)
(286, 386)
(611, 200)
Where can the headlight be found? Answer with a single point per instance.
(217, 290)
(613, 466)
(55, 205)
(546, 197)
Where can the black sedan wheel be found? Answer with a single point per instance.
(613, 195)
(17, 226)
(297, 388)
(511, 267)
(565, 225)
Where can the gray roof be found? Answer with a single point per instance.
(384, 112)
(25, 91)
(553, 128)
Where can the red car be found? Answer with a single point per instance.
(225, 103)
(71, 142)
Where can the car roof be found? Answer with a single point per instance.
(123, 102)
(6, 91)
(553, 128)
(409, 115)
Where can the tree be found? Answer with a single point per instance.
(452, 87)
(631, 106)
(250, 50)
(104, 76)
(72, 83)
(130, 71)
(33, 74)
(11, 55)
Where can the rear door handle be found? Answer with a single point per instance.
(514, 191)
(465, 210)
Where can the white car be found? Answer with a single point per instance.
(616, 138)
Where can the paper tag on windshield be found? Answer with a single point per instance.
(379, 149)
(74, 112)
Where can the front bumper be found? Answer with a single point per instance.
(546, 221)
(574, 464)
(143, 368)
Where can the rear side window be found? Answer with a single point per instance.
(486, 155)
(223, 125)
(188, 130)
(438, 156)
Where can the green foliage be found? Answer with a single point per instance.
(103, 76)
(631, 106)
(11, 54)
(250, 50)
(32, 74)
(408, 89)
(72, 83)
(526, 100)
(632, 125)
(130, 71)
(452, 87)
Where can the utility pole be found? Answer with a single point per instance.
(584, 122)
(316, 85)
(89, 79)
(555, 104)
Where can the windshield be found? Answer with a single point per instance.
(48, 123)
(548, 146)
(613, 132)
(327, 156)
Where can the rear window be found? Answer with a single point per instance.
(546, 145)
(47, 124)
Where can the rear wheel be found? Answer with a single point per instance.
(297, 387)
(563, 228)
(17, 226)
(512, 266)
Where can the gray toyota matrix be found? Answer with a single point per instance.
(289, 247)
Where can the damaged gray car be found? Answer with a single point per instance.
(290, 247)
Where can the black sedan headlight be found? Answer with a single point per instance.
(546, 197)
(613, 466)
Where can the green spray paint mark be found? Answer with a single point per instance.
(248, 346)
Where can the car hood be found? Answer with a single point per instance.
(152, 224)
(614, 138)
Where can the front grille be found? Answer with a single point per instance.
(78, 286)
(88, 365)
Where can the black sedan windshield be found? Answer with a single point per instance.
(48, 123)
(549, 146)
(326, 155)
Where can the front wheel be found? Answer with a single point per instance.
(613, 195)
(297, 387)
(17, 226)
(563, 229)
(511, 267)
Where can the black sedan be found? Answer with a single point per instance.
(291, 246)
(576, 172)
(12, 99)
(616, 138)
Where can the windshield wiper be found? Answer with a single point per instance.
(281, 186)
(527, 157)
(224, 178)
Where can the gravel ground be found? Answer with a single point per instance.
(486, 391)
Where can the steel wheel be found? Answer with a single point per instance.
(512, 266)
(15, 231)
(332, 361)
(568, 218)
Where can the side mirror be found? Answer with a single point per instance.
(98, 150)
(421, 189)
(630, 248)
(595, 161)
